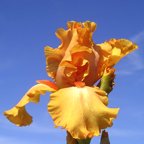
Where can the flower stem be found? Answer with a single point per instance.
(104, 138)
(107, 81)
(84, 141)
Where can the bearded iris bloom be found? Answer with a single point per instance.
(76, 104)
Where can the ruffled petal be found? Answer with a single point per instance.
(91, 26)
(53, 58)
(78, 67)
(81, 66)
(64, 64)
(82, 111)
(112, 51)
(55, 55)
(84, 31)
(18, 115)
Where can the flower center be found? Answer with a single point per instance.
(79, 84)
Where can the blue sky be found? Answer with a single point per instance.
(27, 26)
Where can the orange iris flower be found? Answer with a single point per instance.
(75, 66)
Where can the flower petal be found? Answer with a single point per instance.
(81, 111)
(84, 31)
(112, 52)
(18, 114)
(63, 63)
(53, 58)
(80, 67)
(48, 83)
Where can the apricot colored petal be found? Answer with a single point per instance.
(81, 111)
(89, 59)
(90, 25)
(116, 49)
(85, 34)
(81, 66)
(111, 52)
(77, 37)
(76, 70)
(53, 58)
(79, 49)
(65, 37)
(73, 25)
(18, 114)
(48, 83)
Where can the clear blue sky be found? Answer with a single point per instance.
(26, 26)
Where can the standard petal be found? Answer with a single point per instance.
(115, 49)
(53, 58)
(91, 26)
(18, 115)
(81, 111)
(112, 51)
(55, 55)
(84, 31)
(76, 44)
(81, 67)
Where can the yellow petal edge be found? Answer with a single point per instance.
(18, 115)
(81, 111)
(113, 51)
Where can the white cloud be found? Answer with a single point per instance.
(11, 140)
(11, 134)
(38, 128)
(138, 38)
(124, 72)
(135, 60)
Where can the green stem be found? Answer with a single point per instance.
(106, 83)
(84, 141)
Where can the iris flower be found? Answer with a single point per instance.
(76, 103)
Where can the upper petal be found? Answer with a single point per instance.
(18, 114)
(81, 111)
(53, 59)
(81, 66)
(55, 55)
(76, 39)
(115, 49)
(112, 51)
